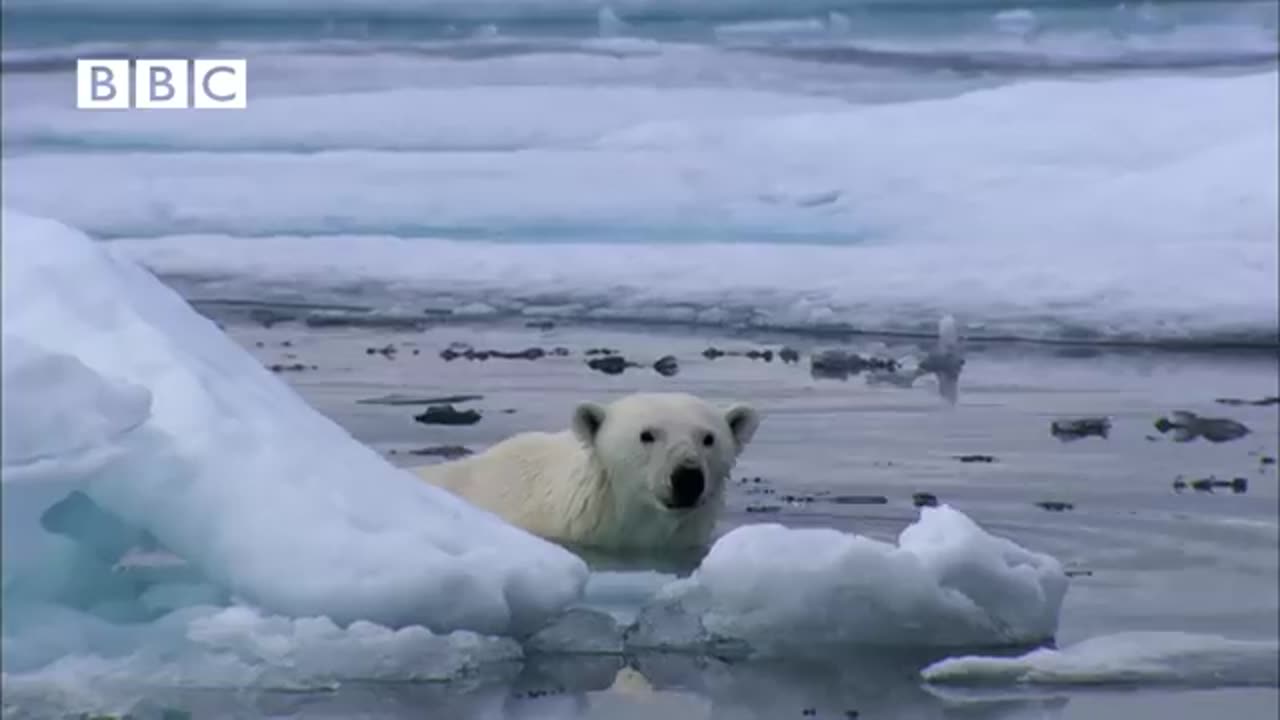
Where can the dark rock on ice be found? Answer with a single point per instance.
(399, 399)
(924, 499)
(1188, 426)
(857, 500)
(448, 452)
(1067, 429)
(447, 415)
(610, 364)
(666, 366)
(1261, 402)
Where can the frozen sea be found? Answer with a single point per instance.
(1089, 187)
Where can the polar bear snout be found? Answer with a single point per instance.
(688, 482)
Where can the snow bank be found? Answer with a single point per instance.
(947, 583)
(1125, 658)
(222, 464)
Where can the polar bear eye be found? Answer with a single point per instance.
(646, 437)
(708, 440)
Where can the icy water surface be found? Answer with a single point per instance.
(1145, 556)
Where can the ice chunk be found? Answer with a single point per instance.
(600, 621)
(231, 470)
(65, 663)
(1124, 658)
(676, 620)
(579, 630)
(947, 583)
(622, 594)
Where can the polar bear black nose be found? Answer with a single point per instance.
(687, 484)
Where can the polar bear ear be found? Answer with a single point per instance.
(743, 421)
(588, 418)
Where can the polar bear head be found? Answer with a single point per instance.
(669, 450)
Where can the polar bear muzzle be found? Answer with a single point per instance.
(687, 485)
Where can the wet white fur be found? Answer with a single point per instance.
(598, 485)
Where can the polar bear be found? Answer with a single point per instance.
(645, 472)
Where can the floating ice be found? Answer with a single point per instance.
(1125, 658)
(66, 663)
(947, 583)
(579, 631)
(769, 590)
(225, 466)
(622, 594)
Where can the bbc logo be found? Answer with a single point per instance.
(161, 84)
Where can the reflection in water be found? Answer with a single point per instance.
(665, 686)
(945, 361)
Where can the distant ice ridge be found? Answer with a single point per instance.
(754, 12)
(411, 118)
(491, 9)
(683, 165)
(1084, 294)
(162, 420)
(1094, 219)
(1145, 658)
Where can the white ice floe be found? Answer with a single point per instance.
(226, 466)
(769, 590)
(1143, 658)
(947, 583)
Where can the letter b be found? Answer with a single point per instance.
(102, 84)
(100, 80)
(161, 84)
